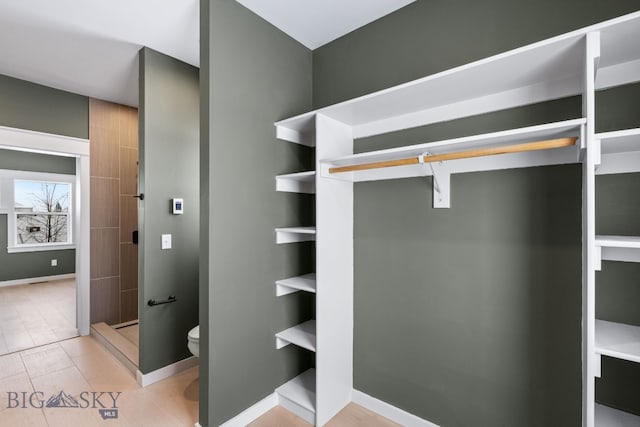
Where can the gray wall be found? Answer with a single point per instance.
(27, 105)
(169, 142)
(487, 293)
(251, 76)
(30, 106)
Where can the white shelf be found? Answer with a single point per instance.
(550, 69)
(609, 417)
(301, 182)
(302, 335)
(618, 340)
(301, 391)
(305, 283)
(568, 128)
(295, 234)
(629, 242)
(620, 152)
(619, 248)
(621, 141)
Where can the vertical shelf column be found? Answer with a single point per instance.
(591, 146)
(334, 274)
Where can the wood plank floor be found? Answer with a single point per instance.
(351, 416)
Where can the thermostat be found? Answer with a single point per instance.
(177, 206)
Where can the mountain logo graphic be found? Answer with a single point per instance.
(62, 400)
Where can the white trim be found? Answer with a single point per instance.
(44, 143)
(40, 248)
(253, 412)
(166, 372)
(389, 411)
(30, 280)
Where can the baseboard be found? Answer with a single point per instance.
(166, 372)
(37, 279)
(389, 411)
(253, 412)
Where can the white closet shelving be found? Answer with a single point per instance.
(302, 335)
(301, 182)
(295, 234)
(578, 63)
(609, 417)
(306, 283)
(299, 396)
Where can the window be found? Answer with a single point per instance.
(40, 210)
(42, 213)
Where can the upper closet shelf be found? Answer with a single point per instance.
(621, 141)
(301, 182)
(550, 69)
(619, 248)
(562, 134)
(620, 152)
(295, 234)
(618, 340)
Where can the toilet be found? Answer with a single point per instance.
(193, 341)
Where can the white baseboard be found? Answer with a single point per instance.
(389, 411)
(253, 412)
(37, 279)
(166, 372)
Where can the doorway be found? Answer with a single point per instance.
(34, 313)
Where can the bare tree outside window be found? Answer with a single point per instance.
(42, 212)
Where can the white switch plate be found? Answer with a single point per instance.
(54, 263)
(166, 241)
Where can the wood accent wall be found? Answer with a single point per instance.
(113, 135)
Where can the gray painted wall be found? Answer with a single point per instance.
(251, 75)
(30, 106)
(24, 161)
(487, 293)
(27, 105)
(27, 265)
(169, 144)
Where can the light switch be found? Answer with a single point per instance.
(166, 241)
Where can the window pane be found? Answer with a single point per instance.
(34, 196)
(33, 229)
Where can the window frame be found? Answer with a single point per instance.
(8, 179)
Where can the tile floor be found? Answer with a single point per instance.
(36, 314)
(132, 333)
(82, 365)
(351, 416)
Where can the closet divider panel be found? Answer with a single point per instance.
(334, 274)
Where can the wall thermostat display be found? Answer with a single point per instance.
(177, 206)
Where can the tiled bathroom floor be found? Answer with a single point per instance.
(37, 314)
(78, 367)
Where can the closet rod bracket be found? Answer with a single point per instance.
(441, 182)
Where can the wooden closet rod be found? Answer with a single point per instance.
(518, 148)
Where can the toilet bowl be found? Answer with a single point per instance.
(193, 341)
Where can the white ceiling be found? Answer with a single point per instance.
(317, 22)
(90, 47)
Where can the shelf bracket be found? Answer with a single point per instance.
(441, 182)
(597, 368)
(597, 255)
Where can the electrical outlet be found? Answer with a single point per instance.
(54, 263)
